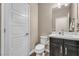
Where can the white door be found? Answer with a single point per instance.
(17, 41)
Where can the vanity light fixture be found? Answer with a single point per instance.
(59, 5)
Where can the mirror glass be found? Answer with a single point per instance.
(60, 17)
(65, 17)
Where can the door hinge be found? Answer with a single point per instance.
(4, 30)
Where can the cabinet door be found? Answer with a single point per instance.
(56, 49)
(70, 50)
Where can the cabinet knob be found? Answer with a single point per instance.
(61, 49)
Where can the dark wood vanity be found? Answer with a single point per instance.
(63, 47)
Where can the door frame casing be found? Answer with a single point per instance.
(2, 29)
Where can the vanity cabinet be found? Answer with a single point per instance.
(63, 47)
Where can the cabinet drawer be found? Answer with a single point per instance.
(56, 40)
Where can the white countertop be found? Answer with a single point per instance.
(65, 36)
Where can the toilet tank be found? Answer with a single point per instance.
(44, 39)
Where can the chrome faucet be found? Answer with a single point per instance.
(62, 31)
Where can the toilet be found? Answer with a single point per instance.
(40, 48)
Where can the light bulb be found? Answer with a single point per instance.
(59, 5)
(66, 4)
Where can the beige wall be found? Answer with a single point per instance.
(33, 24)
(44, 19)
(41, 21)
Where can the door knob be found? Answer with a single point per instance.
(27, 34)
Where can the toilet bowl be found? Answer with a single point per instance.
(39, 49)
